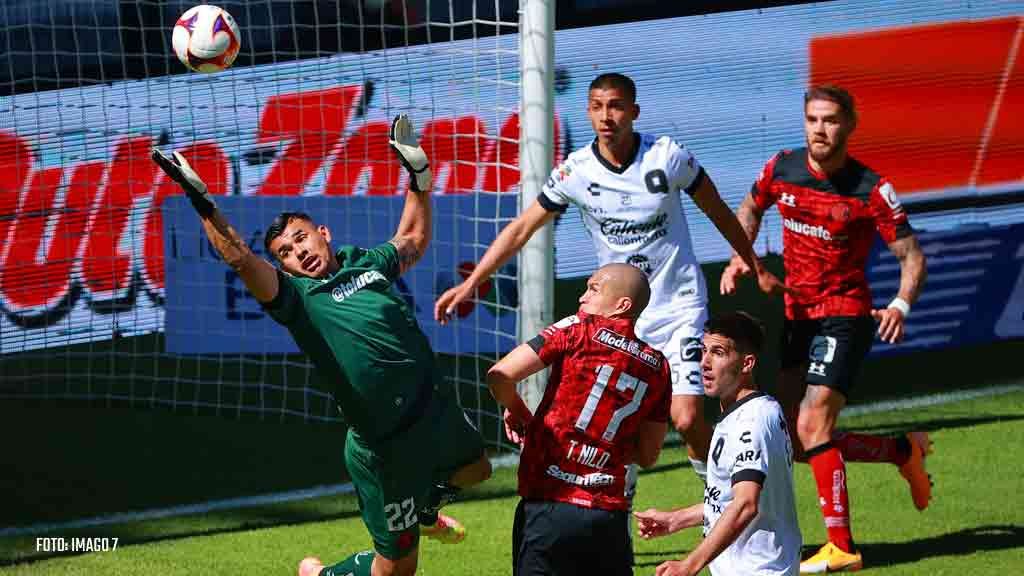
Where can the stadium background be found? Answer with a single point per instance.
(165, 386)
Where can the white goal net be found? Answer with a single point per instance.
(110, 294)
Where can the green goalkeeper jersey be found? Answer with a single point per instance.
(362, 337)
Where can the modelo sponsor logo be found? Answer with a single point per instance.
(627, 345)
(625, 232)
(806, 229)
(93, 229)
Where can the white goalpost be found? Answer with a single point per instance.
(537, 110)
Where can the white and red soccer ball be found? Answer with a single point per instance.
(206, 39)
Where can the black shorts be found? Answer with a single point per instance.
(832, 348)
(560, 539)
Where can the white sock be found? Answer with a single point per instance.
(700, 468)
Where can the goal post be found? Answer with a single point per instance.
(536, 149)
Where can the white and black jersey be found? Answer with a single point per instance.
(635, 215)
(751, 443)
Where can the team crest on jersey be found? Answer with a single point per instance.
(561, 324)
(840, 212)
(627, 345)
(564, 171)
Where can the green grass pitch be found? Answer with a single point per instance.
(974, 526)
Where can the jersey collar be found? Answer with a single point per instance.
(738, 403)
(625, 165)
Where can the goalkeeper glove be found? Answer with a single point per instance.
(177, 169)
(410, 153)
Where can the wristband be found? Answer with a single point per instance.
(901, 305)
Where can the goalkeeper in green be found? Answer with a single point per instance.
(409, 447)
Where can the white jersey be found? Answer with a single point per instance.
(635, 215)
(751, 443)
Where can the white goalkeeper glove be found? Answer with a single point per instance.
(178, 169)
(410, 153)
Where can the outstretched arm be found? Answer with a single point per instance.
(257, 274)
(913, 273)
(508, 242)
(734, 519)
(414, 228)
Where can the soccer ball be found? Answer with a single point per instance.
(206, 39)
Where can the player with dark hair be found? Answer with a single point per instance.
(629, 188)
(749, 509)
(831, 207)
(409, 446)
(606, 404)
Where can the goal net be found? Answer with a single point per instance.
(109, 292)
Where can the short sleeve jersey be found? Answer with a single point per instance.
(368, 350)
(604, 384)
(751, 443)
(634, 214)
(829, 225)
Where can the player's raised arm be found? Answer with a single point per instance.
(413, 233)
(509, 241)
(259, 276)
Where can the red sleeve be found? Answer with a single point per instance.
(890, 218)
(661, 402)
(553, 342)
(762, 191)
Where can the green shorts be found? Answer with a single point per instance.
(393, 481)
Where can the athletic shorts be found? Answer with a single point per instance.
(559, 539)
(680, 342)
(832, 348)
(393, 481)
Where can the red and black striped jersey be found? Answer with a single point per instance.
(604, 383)
(829, 226)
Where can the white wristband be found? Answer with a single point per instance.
(901, 305)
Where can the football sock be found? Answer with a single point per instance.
(440, 496)
(700, 468)
(830, 476)
(358, 564)
(870, 448)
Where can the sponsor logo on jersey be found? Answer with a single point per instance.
(343, 291)
(640, 262)
(592, 479)
(805, 229)
(627, 345)
(748, 456)
(626, 232)
(888, 193)
(787, 199)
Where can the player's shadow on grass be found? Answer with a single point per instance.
(959, 543)
(659, 557)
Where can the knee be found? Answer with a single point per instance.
(687, 415)
(685, 421)
(403, 567)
